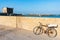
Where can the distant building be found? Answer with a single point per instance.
(7, 10)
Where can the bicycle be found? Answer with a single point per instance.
(50, 30)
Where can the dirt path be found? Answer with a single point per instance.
(24, 35)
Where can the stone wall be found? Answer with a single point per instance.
(8, 21)
(30, 22)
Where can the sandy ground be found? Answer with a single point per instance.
(22, 34)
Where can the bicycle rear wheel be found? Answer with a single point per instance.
(52, 32)
(37, 30)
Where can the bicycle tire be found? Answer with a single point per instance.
(51, 34)
(37, 30)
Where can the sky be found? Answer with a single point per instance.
(32, 6)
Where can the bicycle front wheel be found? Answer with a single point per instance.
(37, 31)
(52, 32)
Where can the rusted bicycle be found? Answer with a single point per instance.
(50, 29)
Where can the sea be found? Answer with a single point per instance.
(44, 16)
(51, 16)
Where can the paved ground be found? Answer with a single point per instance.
(22, 34)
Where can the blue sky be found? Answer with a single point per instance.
(32, 6)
